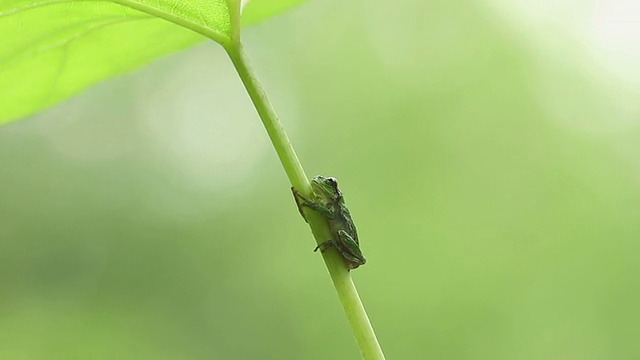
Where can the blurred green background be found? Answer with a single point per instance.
(488, 152)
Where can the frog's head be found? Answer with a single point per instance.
(325, 187)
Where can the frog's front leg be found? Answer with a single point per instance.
(302, 200)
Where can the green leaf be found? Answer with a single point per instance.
(53, 49)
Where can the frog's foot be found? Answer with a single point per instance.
(300, 202)
(323, 246)
(300, 199)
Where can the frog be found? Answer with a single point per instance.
(328, 201)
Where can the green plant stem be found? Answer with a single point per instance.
(270, 120)
(354, 310)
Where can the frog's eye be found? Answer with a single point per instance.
(332, 181)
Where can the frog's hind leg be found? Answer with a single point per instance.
(325, 245)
